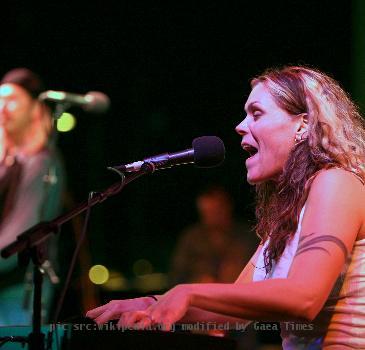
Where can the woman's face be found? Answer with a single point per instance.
(268, 134)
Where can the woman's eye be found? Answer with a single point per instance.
(256, 113)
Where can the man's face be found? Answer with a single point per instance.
(16, 107)
(214, 209)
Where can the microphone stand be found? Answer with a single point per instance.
(28, 245)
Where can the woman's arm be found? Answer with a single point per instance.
(333, 218)
(332, 221)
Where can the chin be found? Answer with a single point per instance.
(256, 180)
(252, 180)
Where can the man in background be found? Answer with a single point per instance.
(31, 186)
(216, 247)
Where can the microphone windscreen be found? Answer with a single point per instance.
(209, 151)
(98, 102)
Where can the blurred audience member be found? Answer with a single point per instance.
(216, 247)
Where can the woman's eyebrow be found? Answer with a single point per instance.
(250, 105)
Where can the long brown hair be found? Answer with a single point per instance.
(335, 138)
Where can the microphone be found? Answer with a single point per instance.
(207, 152)
(93, 101)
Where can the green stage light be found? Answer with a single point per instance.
(66, 122)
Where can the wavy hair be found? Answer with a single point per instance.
(335, 138)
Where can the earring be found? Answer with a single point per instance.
(299, 138)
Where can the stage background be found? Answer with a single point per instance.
(173, 72)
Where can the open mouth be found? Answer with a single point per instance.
(252, 151)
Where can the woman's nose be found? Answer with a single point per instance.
(242, 128)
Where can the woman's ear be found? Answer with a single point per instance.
(302, 131)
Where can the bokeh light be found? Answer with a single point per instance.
(98, 274)
(66, 122)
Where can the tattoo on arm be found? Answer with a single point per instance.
(306, 243)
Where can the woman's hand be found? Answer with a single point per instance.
(169, 309)
(116, 308)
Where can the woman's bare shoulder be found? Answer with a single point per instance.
(338, 191)
(334, 178)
